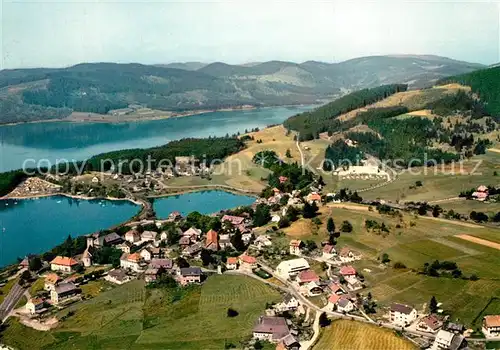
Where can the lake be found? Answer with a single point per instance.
(205, 202)
(79, 141)
(37, 225)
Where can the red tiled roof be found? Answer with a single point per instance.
(334, 287)
(328, 248)
(134, 257)
(295, 242)
(482, 188)
(235, 220)
(232, 260)
(64, 261)
(211, 238)
(492, 321)
(283, 179)
(248, 259)
(334, 298)
(347, 270)
(308, 276)
(345, 251)
(51, 278)
(314, 197)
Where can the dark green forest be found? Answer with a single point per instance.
(485, 84)
(323, 119)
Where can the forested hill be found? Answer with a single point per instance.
(324, 119)
(485, 84)
(38, 94)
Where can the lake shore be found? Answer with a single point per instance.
(73, 196)
(83, 117)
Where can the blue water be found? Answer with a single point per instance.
(205, 202)
(37, 225)
(78, 141)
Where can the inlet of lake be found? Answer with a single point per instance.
(36, 225)
(79, 141)
(32, 226)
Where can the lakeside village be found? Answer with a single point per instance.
(182, 251)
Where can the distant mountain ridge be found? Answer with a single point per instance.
(37, 94)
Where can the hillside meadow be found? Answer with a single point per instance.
(414, 241)
(134, 317)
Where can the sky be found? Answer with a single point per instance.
(65, 32)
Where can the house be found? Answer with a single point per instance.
(132, 236)
(247, 262)
(35, 306)
(289, 303)
(64, 292)
(166, 264)
(295, 247)
(184, 242)
(224, 241)
(311, 289)
(429, 324)
(193, 233)
(63, 264)
(151, 275)
(481, 194)
(335, 288)
(402, 315)
(110, 239)
(124, 247)
(455, 327)
(271, 328)
(131, 261)
(232, 263)
(275, 218)
(246, 237)
(87, 257)
(146, 254)
(193, 250)
(117, 276)
(212, 241)
(346, 255)
(288, 343)
(148, 236)
(283, 179)
(233, 220)
(314, 198)
(189, 275)
(307, 276)
(290, 268)
(491, 326)
(328, 251)
(449, 341)
(340, 303)
(95, 180)
(262, 242)
(25, 263)
(175, 215)
(51, 281)
(348, 272)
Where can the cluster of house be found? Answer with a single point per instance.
(278, 330)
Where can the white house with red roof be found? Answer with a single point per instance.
(131, 261)
(247, 262)
(481, 194)
(63, 264)
(232, 263)
(491, 326)
(328, 251)
(340, 303)
(295, 245)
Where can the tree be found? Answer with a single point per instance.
(292, 213)
(262, 215)
(288, 154)
(385, 258)
(496, 217)
(422, 210)
(324, 321)
(206, 257)
(436, 211)
(309, 211)
(237, 241)
(346, 226)
(418, 183)
(181, 262)
(284, 222)
(35, 263)
(433, 305)
(232, 312)
(330, 225)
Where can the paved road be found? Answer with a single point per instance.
(10, 301)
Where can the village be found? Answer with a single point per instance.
(186, 250)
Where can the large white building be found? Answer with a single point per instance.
(402, 315)
(448, 341)
(290, 268)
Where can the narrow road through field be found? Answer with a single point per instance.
(11, 301)
(300, 150)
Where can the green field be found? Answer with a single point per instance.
(353, 335)
(417, 241)
(132, 317)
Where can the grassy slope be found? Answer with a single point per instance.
(425, 242)
(352, 335)
(131, 317)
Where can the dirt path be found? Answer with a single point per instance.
(496, 150)
(480, 241)
(454, 245)
(348, 206)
